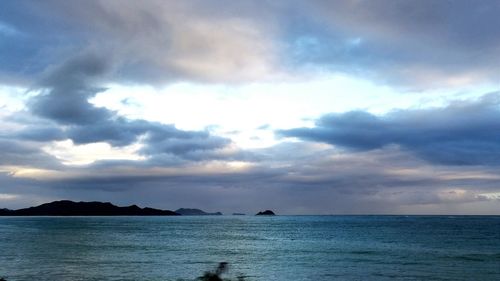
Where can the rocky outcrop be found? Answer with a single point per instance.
(266, 213)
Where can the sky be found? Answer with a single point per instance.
(302, 107)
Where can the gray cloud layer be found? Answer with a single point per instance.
(412, 43)
(15, 153)
(377, 181)
(463, 133)
(421, 43)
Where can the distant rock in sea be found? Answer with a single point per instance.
(195, 212)
(70, 208)
(266, 213)
(238, 214)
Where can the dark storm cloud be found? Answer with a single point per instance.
(463, 133)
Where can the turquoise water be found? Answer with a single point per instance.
(258, 248)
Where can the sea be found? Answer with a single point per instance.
(255, 248)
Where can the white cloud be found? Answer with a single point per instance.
(71, 154)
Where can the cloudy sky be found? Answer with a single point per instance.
(303, 107)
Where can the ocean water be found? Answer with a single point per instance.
(257, 248)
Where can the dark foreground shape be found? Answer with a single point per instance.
(266, 213)
(70, 208)
(195, 212)
(215, 276)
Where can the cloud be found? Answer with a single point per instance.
(152, 41)
(40, 134)
(306, 178)
(463, 133)
(15, 153)
(420, 44)
(65, 91)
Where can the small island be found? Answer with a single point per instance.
(195, 212)
(70, 208)
(266, 213)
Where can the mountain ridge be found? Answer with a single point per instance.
(94, 208)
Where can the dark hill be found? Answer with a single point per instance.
(266, 213)
(195, 212)
(70, 208)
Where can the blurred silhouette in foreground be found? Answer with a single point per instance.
(215, 276)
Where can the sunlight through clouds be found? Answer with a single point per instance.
(71, 154)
